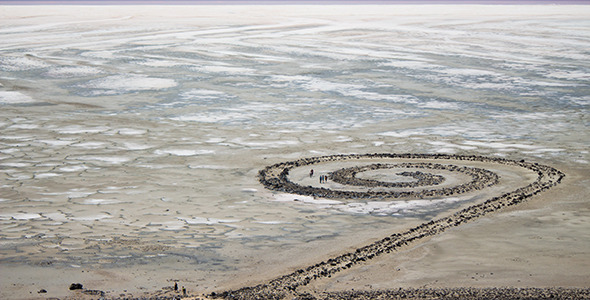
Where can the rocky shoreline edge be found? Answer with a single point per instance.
(457, 293)
(287, 285)
(275, 177)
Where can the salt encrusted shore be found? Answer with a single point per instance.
(286, 286)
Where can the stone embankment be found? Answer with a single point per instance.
(460, 293)
(286, 286)
(347, 176)
(275, 177)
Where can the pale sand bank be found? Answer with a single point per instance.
(540, 243)
(543, 242)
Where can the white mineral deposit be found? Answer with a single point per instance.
(147, 147)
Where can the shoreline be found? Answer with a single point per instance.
(461, 293)
(540, 200)
(548, 177)
(313, 289)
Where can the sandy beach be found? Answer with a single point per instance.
(539, 243)
(132, 142)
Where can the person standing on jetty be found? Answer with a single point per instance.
(311, 173)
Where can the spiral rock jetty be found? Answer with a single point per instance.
(276, 177)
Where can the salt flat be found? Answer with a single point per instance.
(131, 138)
